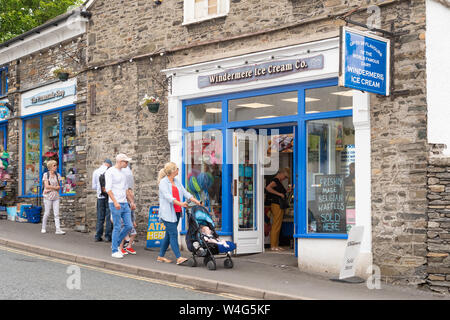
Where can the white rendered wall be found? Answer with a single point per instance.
(438, 70)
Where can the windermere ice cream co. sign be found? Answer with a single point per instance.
(262, 71)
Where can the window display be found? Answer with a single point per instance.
(204, 170)
(68, 170)
(32, 155)
(50, 140)
(331, 184)
(56, 143)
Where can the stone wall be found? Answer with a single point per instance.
(120, 125)
(438, 234)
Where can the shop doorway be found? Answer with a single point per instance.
(258, 154)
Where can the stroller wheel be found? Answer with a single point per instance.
(211, 265)
(228, 263)
(206, 260)
(192, 262)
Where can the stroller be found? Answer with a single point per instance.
(197, 216)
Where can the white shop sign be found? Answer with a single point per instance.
(49, 97)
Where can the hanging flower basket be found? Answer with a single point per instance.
(61, 73)
(152, 103)
(153, 107)
(63, 76)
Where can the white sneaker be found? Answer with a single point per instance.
(43, 231)
(117, 255)
(60, 232)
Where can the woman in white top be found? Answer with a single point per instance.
(52, 185)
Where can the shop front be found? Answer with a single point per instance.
(48, 133)
(235, 123)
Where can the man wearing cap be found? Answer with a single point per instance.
(103, 213)
(116, 187)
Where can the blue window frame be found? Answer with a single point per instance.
(33, 136)
(4, 135)
(3, 81)
(299, 121)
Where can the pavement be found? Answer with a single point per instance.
(266, 276)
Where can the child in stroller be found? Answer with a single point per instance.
(203, 241)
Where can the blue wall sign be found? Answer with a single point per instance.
(364, 61)
(156, 230)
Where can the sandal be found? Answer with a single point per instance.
(162, 259)
(181, 260)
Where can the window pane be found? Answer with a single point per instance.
(32, 155)
(328, 99)
(69, 172)
(204, 170)
(3, 80)
(200, 9)
(261, 107)
(331, 174)
(212, 7)
(202, 114)
(50, 140)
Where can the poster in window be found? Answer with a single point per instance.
(330, 202)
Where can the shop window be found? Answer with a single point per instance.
(263, 107)
(3, 81)
(68, 169)
(203, 114)
(328, 99)
(331, 175)
(3, 137)
(32, 156)
(199, 10)
(57, 143)
(203, 170)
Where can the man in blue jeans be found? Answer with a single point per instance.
(116, 186)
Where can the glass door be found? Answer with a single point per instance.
(246, 186)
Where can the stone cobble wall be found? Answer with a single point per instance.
(438, 233)
(119, 30)
(121, 125)
(399, 154)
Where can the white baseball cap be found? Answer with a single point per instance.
(122, 157)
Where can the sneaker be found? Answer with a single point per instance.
(125, 244)
(60, 232)
(124, 253)
(130, 250)
(43, 231)
(117, 255)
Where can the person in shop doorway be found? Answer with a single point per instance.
(116, 186)
(52, 186)
(126, 247)
(276, 194)
(103, 213)
(171, 191)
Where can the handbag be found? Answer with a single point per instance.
(284, 202)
